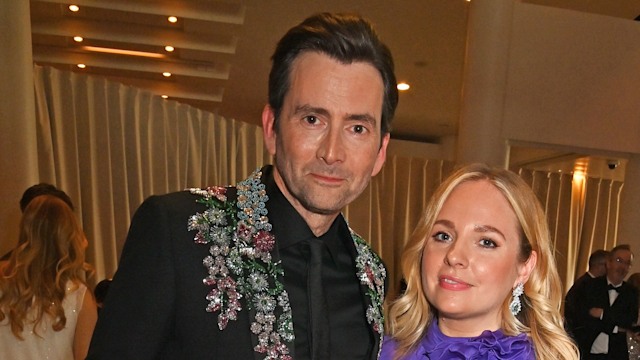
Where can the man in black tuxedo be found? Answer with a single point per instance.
(608, 307)
(597, 268)
(269, 268)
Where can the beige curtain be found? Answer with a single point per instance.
(582, 215)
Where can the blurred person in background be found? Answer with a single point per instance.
(46, 311)
(633, 336)
(37, 190)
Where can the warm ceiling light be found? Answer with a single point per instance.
(123, 52)
(166, 74)
(164, 96)
(169, 48)
(172, 19)
(78, 38)
(74, 8)
(403, 86)
(82, 66)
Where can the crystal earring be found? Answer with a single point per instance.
(515, 306)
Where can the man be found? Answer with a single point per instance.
(230, 273)
(608, 307)
(597, 267)
(37, 190)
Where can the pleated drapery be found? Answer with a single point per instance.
(110, 146)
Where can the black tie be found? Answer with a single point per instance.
(611, 287)
(317, 303)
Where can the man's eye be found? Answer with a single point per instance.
(359, 129)
(311, 119)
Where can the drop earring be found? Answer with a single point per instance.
(516, 306)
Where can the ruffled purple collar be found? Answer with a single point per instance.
(490, 345)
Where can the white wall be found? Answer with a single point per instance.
(573, 80)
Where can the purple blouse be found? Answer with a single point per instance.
(488, 346)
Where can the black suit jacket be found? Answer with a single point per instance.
(621, 313)
(572, 301)
(155, 308)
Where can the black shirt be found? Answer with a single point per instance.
(350, 334)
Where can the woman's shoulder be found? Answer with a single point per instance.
(390, 347)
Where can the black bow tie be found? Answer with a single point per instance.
(616, 288)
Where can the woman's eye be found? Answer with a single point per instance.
(488, 243)
(442, 236)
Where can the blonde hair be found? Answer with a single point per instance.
(49, 255)
(410, 315)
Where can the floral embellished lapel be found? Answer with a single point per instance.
(241, 264)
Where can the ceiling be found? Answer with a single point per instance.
(222, 49)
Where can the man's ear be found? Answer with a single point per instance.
(268, 130)
(382, 154)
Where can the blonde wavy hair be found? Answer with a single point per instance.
(49, 255)
(410, 315)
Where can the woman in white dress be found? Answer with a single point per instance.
(46, 311)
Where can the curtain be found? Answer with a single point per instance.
(582, 215)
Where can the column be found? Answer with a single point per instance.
(484, 83)
(18, 143)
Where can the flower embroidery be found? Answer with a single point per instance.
(240, 265)
(371, 273)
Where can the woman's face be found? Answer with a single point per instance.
(470, 259)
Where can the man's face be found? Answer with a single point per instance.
(328, 144)
(618, 265)
(599, 268)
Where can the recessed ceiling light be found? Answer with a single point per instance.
(172, 19)
(166, 74)
(403, 86)
(74, 8)
(164, 96)
(78, 38)
(82, 66)
(169, 48)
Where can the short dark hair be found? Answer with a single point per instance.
(597, 256)
(101, 290)
(620, 247)
(344, 37)
(43, 189)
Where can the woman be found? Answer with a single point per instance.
(481, 278)
(46, 311)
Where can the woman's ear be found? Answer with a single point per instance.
(526, 269)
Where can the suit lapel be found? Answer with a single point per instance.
(367, 300)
